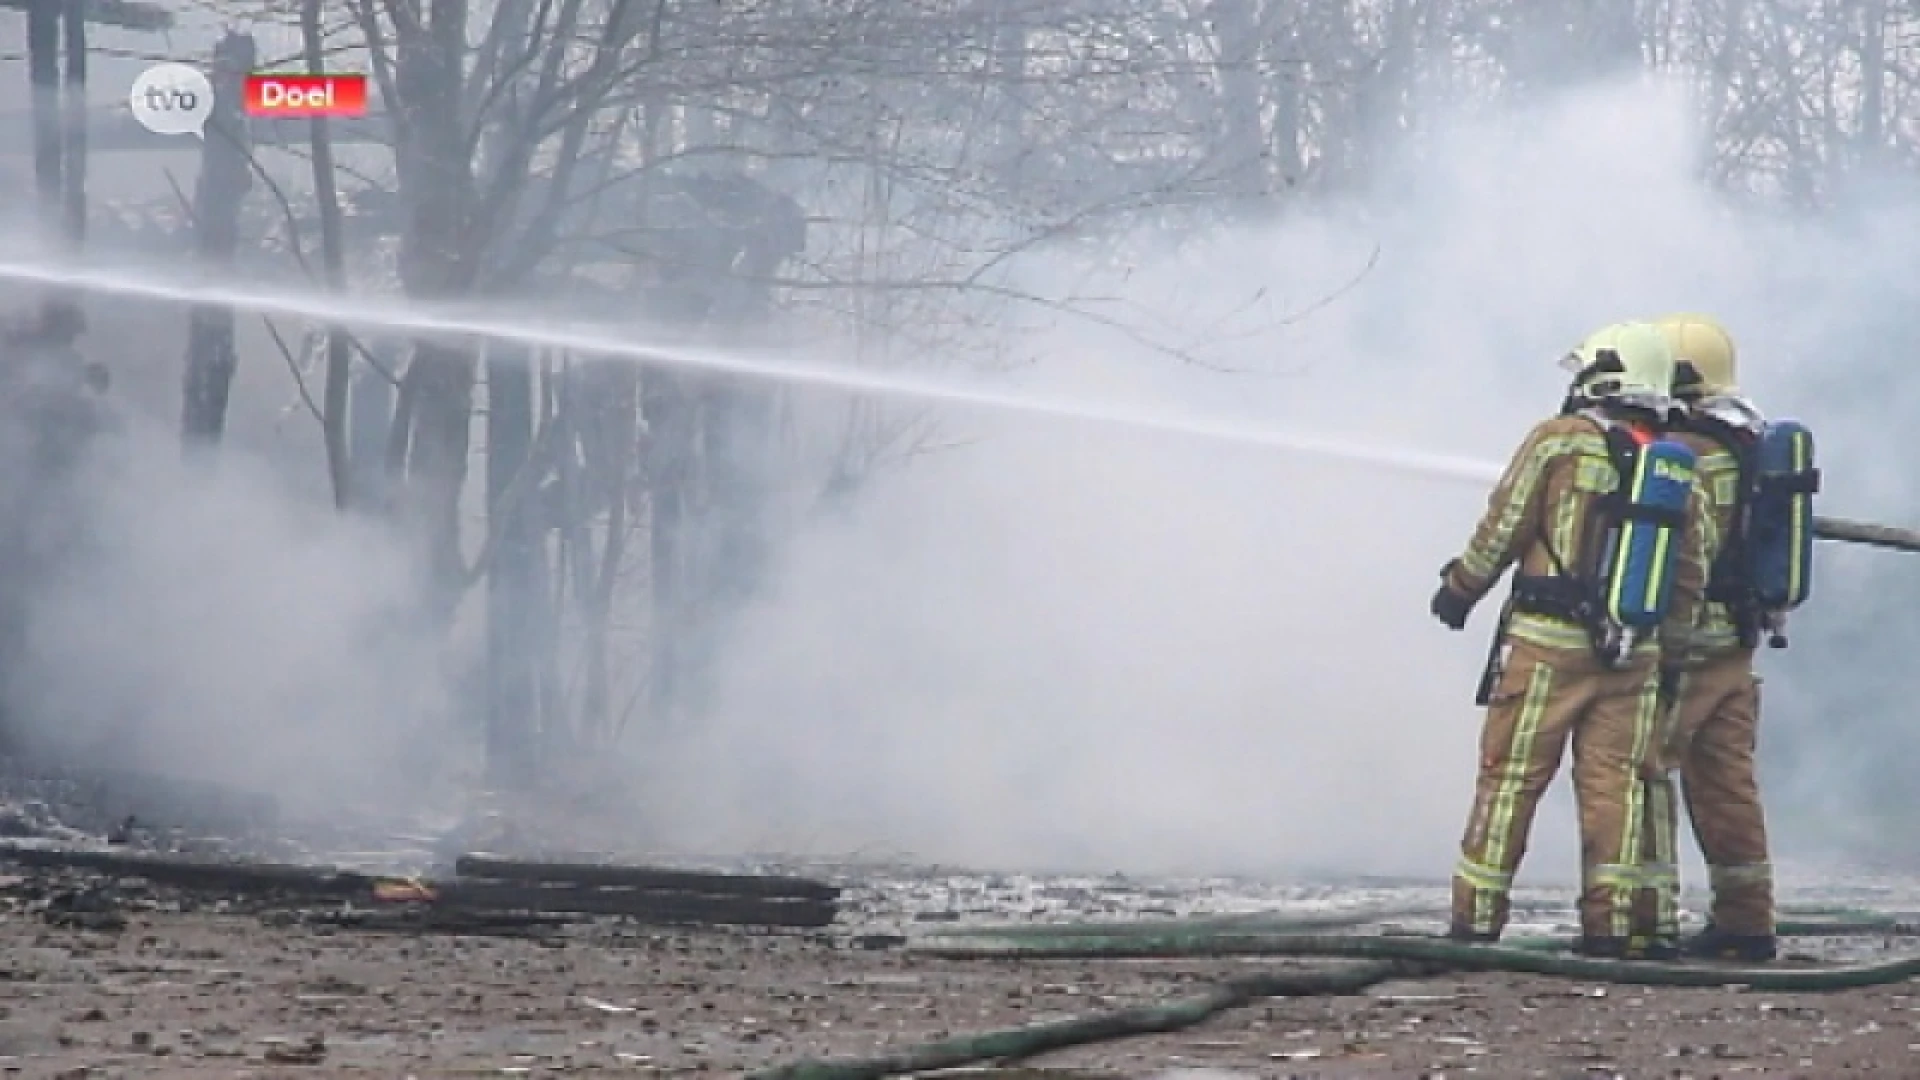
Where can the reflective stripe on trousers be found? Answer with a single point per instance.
(1546, 699)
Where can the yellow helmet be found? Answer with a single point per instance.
(1703, 355)
(1627, 362)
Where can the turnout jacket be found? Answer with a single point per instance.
(1546, 504)
(1717, 479)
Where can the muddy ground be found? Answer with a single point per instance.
(184, 989)
(105, 977)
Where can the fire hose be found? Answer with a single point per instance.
(1859, 532)
(1371, 958)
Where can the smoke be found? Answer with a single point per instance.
(206, 621)
(1075, 646)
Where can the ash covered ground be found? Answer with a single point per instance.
(110, 976)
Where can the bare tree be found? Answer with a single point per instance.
(225, 179)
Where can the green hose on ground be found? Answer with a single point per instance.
(1796, 923)
(1839, 924)
(1272, 921)
(1382, 956)
(1025, 1042)
(1456, 955)
(1379, 956)
(1248, 930)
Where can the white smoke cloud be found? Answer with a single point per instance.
(1097, 647)
(1081, 644)
(211, 624)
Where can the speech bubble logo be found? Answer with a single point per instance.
(172, 99)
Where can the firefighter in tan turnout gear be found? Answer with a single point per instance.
(1714, 726)
(1592, 513)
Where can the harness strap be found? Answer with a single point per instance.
(1624, 510)
(1571, 597)
(1802, 483)
(1557, 596)
(1727, 581)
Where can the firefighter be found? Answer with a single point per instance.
(1563, 668)
(1715, 721)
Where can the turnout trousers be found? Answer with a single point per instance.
(1714, 736)
(1546, 698)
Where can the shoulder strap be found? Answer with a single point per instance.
(1742, 446)
(1604, 424)
(1624, 440)
(1727, 581)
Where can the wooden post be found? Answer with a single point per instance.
(59, 145)
(73, 133)
(43, 76)
(225, 179)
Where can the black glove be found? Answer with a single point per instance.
(1449, 606)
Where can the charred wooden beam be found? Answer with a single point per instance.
(470, 903)
(428, 919)
(648, 878)
(641, 904)
(190, 873)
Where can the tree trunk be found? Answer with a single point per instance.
(442, 418)
(1009, 97)
(616, 437)
(436, 183)
(370, 409)
(1873, 84)
(514, 592)
(43, 73)
(1240, 150)
(1284, 59)
(225, 179)
(672, 445)
(739, 421)
(333, 258)
(73, 134)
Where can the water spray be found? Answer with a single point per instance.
(447, 320)
(442, 320)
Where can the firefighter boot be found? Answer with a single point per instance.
(1711, 943)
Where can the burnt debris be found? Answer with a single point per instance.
(537, 896)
